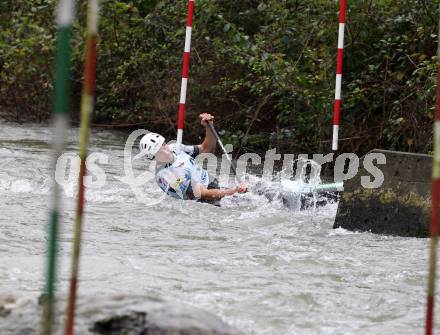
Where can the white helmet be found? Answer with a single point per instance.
(150, 144)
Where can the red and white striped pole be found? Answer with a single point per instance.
(435, 210)
(337, 106)
(185, 70)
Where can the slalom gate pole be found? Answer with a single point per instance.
(219, 141)
(339, 60)
(185, 70)
(61, 105)
(434, 227)
(87, 102)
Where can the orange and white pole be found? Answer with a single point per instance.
(434, 227)
(87, 105)
(339, 60)
(185, 71)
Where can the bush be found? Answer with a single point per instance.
(266, 69)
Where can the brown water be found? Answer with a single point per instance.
(261, 268)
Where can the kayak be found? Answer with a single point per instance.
(300, 196)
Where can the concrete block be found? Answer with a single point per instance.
(401, 206)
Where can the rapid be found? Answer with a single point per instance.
(261, 268)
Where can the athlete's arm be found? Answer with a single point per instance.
(209, 143)
(217, 194)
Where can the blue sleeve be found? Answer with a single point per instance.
(195, 152)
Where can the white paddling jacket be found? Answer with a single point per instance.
(178, 178)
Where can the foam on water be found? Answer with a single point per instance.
(262, 268)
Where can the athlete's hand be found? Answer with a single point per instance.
(242, 188)
(205, 118)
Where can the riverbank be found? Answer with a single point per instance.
(266, 72)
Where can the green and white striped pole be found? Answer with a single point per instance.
(61, 105)
(87, 103)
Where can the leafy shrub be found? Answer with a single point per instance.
(266, 69)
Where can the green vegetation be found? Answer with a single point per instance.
(266, 69)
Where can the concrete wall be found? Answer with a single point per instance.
(401, 206)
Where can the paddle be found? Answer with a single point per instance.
(219, 141)
(269, 193)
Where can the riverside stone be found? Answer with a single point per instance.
(121, 314)
(401, 206)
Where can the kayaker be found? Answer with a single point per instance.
(177, 174)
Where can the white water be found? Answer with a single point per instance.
(261, 268)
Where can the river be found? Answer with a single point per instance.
(261, 268)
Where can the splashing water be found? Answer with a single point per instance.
(262, 268)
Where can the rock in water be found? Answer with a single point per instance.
(400, 206)
(154, 316)
(122, 314)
